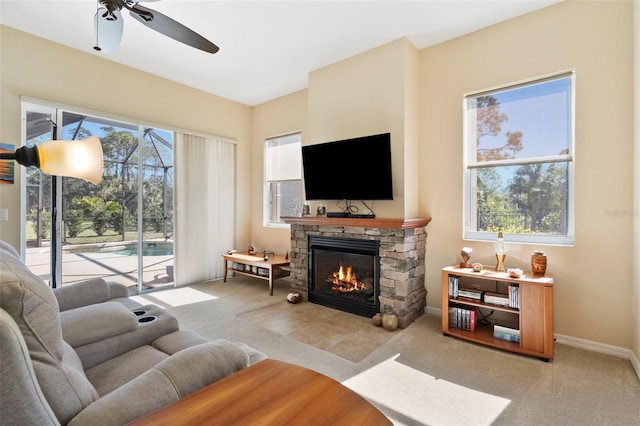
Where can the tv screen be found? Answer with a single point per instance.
(351, 169)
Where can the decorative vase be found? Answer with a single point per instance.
(293, 297)
(377, 320)
(501, 253)
(538, 263)
(389, 322)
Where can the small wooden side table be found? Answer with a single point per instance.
(255, 266)
(274, 393)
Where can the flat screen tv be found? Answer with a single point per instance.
(357, 169)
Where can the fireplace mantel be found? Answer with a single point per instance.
(382, 223)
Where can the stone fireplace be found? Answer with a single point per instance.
(396, 272)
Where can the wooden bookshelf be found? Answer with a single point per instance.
(533, 318)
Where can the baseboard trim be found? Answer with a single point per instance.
(593, 346)
(433, 311)
(583, 344)
(601, 348)
(635, 363)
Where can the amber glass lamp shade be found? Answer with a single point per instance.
(78, 159)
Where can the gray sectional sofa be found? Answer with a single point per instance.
(87, 354)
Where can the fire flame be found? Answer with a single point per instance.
(344, 280)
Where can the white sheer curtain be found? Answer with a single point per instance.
(205, 207)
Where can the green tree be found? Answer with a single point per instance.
(489, 199)
(114, 214)
(45, 222)
(489, 123)
(74, 218)
(538, 193)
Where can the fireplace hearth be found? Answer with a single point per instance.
(344, 273)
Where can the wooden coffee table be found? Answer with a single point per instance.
(270, 393)
(254, 265)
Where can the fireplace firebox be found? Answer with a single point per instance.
(344, 274)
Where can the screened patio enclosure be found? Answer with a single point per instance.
(120, 230)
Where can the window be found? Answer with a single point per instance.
(519, 162)
(283, 170)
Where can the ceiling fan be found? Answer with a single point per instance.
(109, 26)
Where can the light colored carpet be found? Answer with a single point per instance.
(417, 376)
(348, 336)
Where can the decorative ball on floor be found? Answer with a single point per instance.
(377, 320)
(293, 297)
(389, 322)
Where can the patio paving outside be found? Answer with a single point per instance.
(78, 265)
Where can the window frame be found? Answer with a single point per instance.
(470, 164)
(267, 183)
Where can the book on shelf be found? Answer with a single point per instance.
(506, 336)
(514, 296)
(505, 329)
(470, 293)
(496, 298)
(463, 318)
(454, 282)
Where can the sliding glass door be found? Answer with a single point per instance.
(156, 207)
(120, 230)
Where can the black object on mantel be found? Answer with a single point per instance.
(351, 215)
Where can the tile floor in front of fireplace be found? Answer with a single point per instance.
(346, 335)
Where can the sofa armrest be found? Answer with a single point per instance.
(90, 292)
(89, 324)
(117, 290)
(179, 375)
(82, 293)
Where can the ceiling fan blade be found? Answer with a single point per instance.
(108, 31)
(173, 29)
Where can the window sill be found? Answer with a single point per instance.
(548, 240)
(276, 225)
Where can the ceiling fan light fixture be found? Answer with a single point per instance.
(109, 26)
(108, 31)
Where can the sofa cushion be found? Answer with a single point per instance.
(177, 341)
(117, 371)
(98, 352)
(176, 377)
(92, 323)
(32, 305)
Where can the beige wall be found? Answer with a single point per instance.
(366, 95)
(593, 280)
(636, 184)
(37, 68)
(278, 117)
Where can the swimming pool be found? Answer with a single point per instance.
(149, 248)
